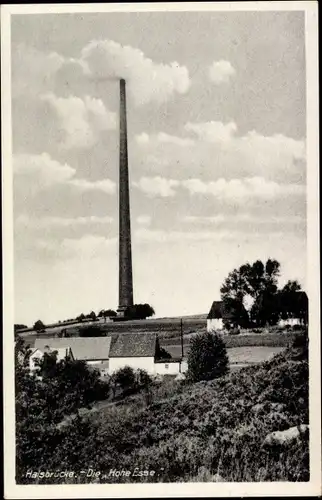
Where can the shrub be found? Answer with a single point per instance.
(125, 377)
(207, 358)
(39, 326)
(91, 331)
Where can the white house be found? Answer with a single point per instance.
(215, 317)
(94, 350)
(171, 366)
(38, 354)
(289, 322)
(136, 350)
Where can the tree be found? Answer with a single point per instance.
(126, 379)
(139, 311)
(235, 314)
(109, 313)
(81, 317)
(207, 357)
(39, 326)
(42, 403)
(258, 281)
(143, 379)
(293, 302)
(92, 316)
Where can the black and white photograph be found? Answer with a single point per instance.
(161, 249)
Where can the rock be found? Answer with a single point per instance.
(283, 438)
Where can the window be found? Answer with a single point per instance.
(166, 366)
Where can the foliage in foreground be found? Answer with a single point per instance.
(209, 429)
(207, 358)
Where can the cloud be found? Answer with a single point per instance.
(242, 189)
(35, 173)
(162, 236)
(82, 120)
(236, 190)
(144, 220)
(105, 185)
(162, 138)
(32, 70)
(221, 72)
(171, 139)
(216, 151)
(89, 244)
(50, 221)
(212, 131)
(156, 186)
(238, 218)
(147, 80)
(83, 248)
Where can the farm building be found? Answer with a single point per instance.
(94, 350)
(37, 354)
(215, 317)
(171, 366)
(136, 350)
(141, 351)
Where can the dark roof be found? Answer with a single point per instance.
(127, 345)
(83, 348)
(219, 310)
(216, 310)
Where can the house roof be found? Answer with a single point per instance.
(128, 345)
(219, 310)
(216, 310)
(83, 348)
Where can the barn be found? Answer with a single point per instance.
(94, 350)
(136, 350)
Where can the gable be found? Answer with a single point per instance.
(216, 310)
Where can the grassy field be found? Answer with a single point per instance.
(165, 327)
(243, 355)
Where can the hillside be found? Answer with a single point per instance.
(214, 429)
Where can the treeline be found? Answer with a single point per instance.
(137, 311)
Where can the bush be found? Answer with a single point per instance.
(39, 326)
(207, 358)
(126, 378)
(91, 331)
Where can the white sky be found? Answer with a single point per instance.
(216, 126)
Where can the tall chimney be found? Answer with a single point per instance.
(125, 252)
